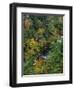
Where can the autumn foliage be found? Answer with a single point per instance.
(42, 44)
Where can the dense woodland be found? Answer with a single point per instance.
(42, 44)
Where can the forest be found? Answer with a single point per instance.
(42, 44)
